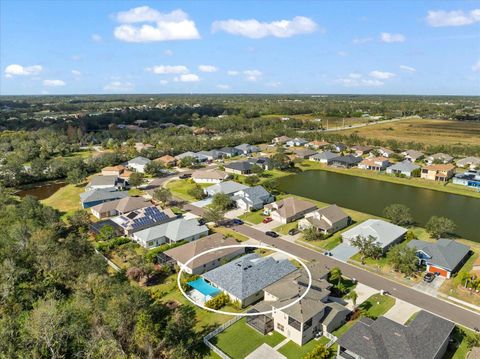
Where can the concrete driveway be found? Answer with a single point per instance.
(343, 251)
(234, 213)
(203, 203)
(363, 292)
(267, 226)
(430, 288)
(401, 311)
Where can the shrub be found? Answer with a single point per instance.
(152, 253)
(219, 301)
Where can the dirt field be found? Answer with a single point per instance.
(430, 132)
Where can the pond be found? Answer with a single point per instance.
(372, 196)
(42, 190)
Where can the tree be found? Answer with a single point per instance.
(399, 214)
(319, 352)
(79, 220)
(280, 160)
(197, 192)
(214, 214)
(312, 234)
(252, 180)
(335, 275)
(256, 169)
(106, 233)
(368, 247)
(136, 179)
(154, 169)
(76, 175)
(403, 259)
(440, 227)
(353, 296)
(188, 162)
(162, 195)
(222, 200)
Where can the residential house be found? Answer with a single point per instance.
(471, 162)
(196, 157)
(405, 168)
(207, 261)
(289, 209)
(281, 140)
(304, 153)
(209, 176)
(119, 207)
(412, 155)
(308, 318)
(316, 145)
(296, 142)
(227, 187)
(444, 256)
(143, 218)
(385, 152)
(347, 161)
(210, 155)
(176, 230)
(441, 172)
(386, 234)
(119, 171)
(111, 183)
(468, 178)
(252, 198)
(425, 337)
(438, 158)
(247, 149)
(167, 161)
(239, 167)
(229, 152)
(374, 164)
(89, 199)
(263, 162)
(328, 219)
(338, 147)
(324, 157)
(360, 150)
(244, 279)
(138, 164)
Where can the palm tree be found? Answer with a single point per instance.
(353, 296)
(335, 275)
(319, 352)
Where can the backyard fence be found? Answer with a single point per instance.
(330, 336)
(206, 338)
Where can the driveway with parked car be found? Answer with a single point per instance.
(429, 286)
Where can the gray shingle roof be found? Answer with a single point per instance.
(404, 166)
(240, 166)
(445, 253)
(175, 230)
(249, 274)
(386, 339)
(347, 160)
(327, 155)
(103, 181)
(384, 232)
(101, 195)
(139, 161)
(227, 187)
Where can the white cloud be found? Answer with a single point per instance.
(476, 67)
(388, 37)
(96, 38)
(342, 53)
(118, 86)
(175, 25)
(359, 82)
(207, 68)
(382, 75)
(354, 75)
(361, 40)
(19, 70)
(223, 87)
(255, 29)
(187, 78)
(53, 83)
(167, 69)
(252, 75)
(76, 73)
(442, 18)
(168, 52)
(233, 73)
(408, 68)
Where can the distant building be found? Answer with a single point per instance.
(111, 183)
(296, 142)
(143, 218)
(138, 164)
(119, 207)
(327, 220)
(289, 209)
(412, 155)
(281, 140)
(324, 157)
(209, 176)
(92, 198)
(405, 168)
(252, 198)
(361, 150)
(316, 145)
(227, 187)
(347, 161)
(239, 167)
(469, 178)
(167, 161)
(247, 149)
(441, 172)
(439, 158)
(472, 162)
(374, 164)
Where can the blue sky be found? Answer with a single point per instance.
(364, 47)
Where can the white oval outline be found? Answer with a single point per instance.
(243, 314)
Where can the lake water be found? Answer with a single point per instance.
(41, 191)
(372, 196)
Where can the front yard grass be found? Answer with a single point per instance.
(294, 351)
(230, 232)
(239, 340)
(66, 199)
(377, 305)
(284, 228)
(180, 189)
(459, 349)
(253, 217)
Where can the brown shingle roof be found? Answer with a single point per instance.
(290, 206)
(440, 167)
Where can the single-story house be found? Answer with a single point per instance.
(304, 153)
(92, 198)
(328, 219)
(281, 140)
(119, 207)
(405, 168)
(426, 337)
(176, 230)
(289, 209)
(246, 149)
(190, 154)
(207, 261)
(374, 163)
(252, 198)
(111, 183)
(209, 176)
(113, 170)
(143, 218)
(263, 162)
(229, 152)
(385, 152)
(412, 155)
(316, 145)
(444, 256)
(239, 167)
(227, 187)
(338, 147)
(296, 142)
(347, 161)
(386, 234)
(167, 161)
(244, 279)
(138, 164)
(439, 158)
(324, 157)
(361, 150)
(210, 155)
(441, 172)
(468, 178)
(472, 162)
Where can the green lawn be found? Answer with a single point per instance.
(253, 217)
(294, 351)
(135, 192)
(377, 305)
(239, 340)
(180, 189)
(284, 228)
(66, 199)
(230, 232)
(460, 349)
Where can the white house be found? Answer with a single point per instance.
(210, 176)
(138, 164)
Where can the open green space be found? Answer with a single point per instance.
(294, 351)
(231, 233)
(66, 199)
(460, 346)
(253, 217)
(377, 305)
(180, 188)
(284, 228)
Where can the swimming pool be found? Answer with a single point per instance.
(203, 287)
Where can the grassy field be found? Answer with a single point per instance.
(253, 217)
(180, 189)
(284, 228)
(66, 199)
(427, 131)
(461, 348)
(377, 305)
(230, 232)
(239, 340)
(294, 351)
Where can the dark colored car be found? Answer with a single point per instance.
(272, 234)
(185, 176)
(429, 277)
(237, 222)
(293, 231)
(201, 221)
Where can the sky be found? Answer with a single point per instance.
(321, 47)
